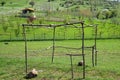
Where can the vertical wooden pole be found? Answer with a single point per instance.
(93, 56)
(95, 45)
(25, 39)
(53, 44)
(71, 66)
(83, 50)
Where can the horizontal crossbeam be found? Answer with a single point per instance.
(52, 25)
(75, 54)
(73, 47)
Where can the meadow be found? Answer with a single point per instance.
(12, 66)
(12, 46)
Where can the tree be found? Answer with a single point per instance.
(3, 3)
(32, 3)
(17, 31)
(5, 27)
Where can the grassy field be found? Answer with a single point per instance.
(12, 61)
(12, 66)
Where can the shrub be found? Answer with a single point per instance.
(105, 14)
(113, 13)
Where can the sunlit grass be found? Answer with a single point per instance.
(13, 62)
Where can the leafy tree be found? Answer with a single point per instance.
(105, 14)
(5, 27)
(113, 13)
(32, 3)
(3, 3)
(17, 32)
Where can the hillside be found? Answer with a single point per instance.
(103, 12)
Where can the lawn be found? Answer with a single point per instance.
(12, 65)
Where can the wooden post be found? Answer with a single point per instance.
(53, 44)
(71, 66)
(95, 45)
(25, 39)
(93, 56)
(83, 50)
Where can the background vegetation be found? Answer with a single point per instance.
(105, 13)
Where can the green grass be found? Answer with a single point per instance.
(12, 66)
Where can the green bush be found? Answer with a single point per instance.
(105, 14)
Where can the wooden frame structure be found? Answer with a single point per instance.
(54, 26)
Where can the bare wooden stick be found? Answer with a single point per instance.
(72, 47)
(51, 25)
(25, 39)
(53, 44)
